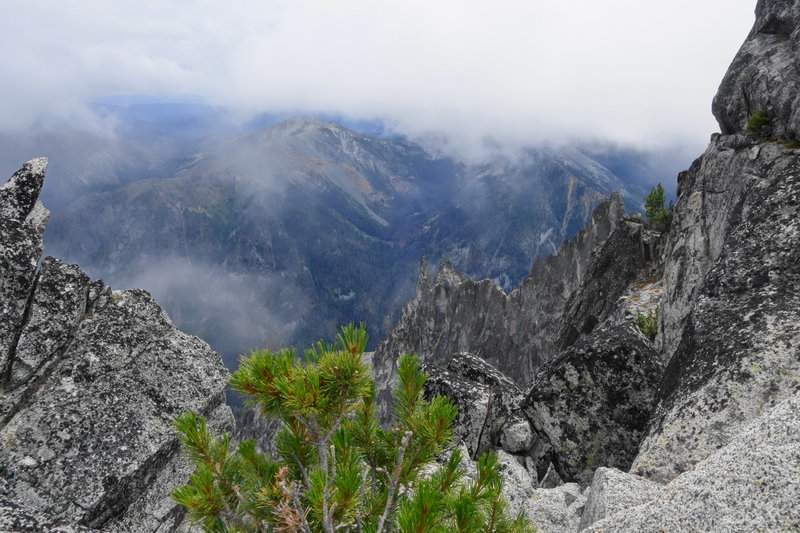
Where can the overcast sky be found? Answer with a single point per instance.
(639, 71)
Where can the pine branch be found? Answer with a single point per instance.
(394, 481)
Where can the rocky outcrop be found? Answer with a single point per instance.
(513, 332)
(628, 254)
(593, 401)
(93, 378)
(765, 74)
(22, 222)
(556, 510)
(730, 307)
(752, 484)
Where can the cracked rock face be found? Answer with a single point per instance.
(593, 401)
(739, 350)
(626, 255)
(22, 222)
(613, 491)
(93, 380)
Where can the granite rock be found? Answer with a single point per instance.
(487, 401)
(514, 332)
(752, 484)
(613, 491)
(93, 380)
(593, 401)
(22, 222)
(556, 510)
(765, 74)
(630, 253)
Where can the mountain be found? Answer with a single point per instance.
(278, 235)
(696, 429)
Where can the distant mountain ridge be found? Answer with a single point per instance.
(278, 235)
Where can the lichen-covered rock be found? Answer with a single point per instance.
(487, 401)
(513, 332)
(518, 484)
(556, 510)
(714, 196)
(739, 350)
(22, 222)
(58, 305)
(613, 491)
(593, 401)
(764, 75)
(94, 378)
(15, 518)
(752, 484)
(516, 436)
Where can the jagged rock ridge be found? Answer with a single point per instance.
(720, 425)
(514, 332)
(91, 381)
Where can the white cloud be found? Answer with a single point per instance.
(518, 70)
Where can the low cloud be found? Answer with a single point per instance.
(509, 72)
(233, 312)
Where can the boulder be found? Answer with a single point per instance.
(593, 401)
(518, 485)
(556, 510)
(487, 401)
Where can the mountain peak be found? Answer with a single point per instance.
(303, 125)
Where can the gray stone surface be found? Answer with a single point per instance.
(517, 437)
(764, 76)
(593, 401)
(487, 401)
(613, 491)
(513, 332)
(752, 484)
(96, 379)
(518, 485)
(736, 311)
(628, 254)
(15, 518)
(22, 222)
(59, 302)
(556, 510)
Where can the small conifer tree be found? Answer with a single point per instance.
(658, 214)
(337, 469)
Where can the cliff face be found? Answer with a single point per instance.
(92, 378)
(731, 308)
